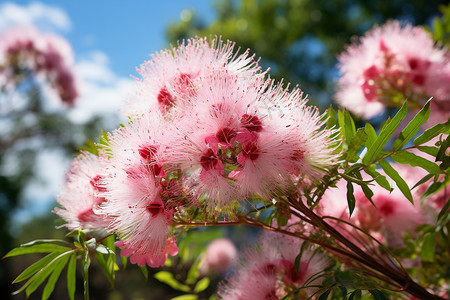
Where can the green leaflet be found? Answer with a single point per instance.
(385, 134)
(408, 158)
(401, 184)
(432, 132)
(413, 127)
(71, 276)
(37, 248)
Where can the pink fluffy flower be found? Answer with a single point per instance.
(178, 72)
(268, 272)
(242, 139)
(389, 64)
(219, 255)
(141, 201)
(80, 197)
(42, 53)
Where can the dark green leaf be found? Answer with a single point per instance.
(385, 134)
(401, 184)
(413, 127)
(433, 151)
(124, 261)
(355, 295)
(350, 198)
(347, 124)
(71, 276)
(428, 246)
(444, 209)
(380, 179)
(378, 295)
(408, 158)
(358, 140)
(432, 132)
(144, 271)
(37, 248)
(324, 295)
(45, 241)
(50, 286)
(423, 180)
(36, 267)
(201, 285)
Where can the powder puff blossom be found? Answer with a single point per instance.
(389, 64)
(268, 272)
(25, 48)
(218, 257)
(178, 72)
(80, 194)
(141, 201)
(242, 139)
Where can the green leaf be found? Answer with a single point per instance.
(324, 295)
(350, 198)
(144, 271)
(169, 279)
(37, 248)
(45, 241)
(401, 184)
(107, 260)
(193, 272)
(385, 134)
(380, 179)
(378, 295)
(34, 282)
(124, 261)
(186, 297)
(423, 180)
(355, 144)
(36, 267)
(407, 158)
(444, 209)
(428, 246)
(356, 294)
(433, 151)
(71, 276)
(201, 285)
(346, 122)
(86, 262)
(50, 286)
(432, 132)
(330, 118)
(371, 134)
(413, 127)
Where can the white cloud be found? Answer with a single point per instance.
(102, 91)
(49, 17)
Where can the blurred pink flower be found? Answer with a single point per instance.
(80, 197)
(25, 48)
(219, 256)
(392, 63)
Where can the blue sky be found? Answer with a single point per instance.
(109, 39)
(126, 31)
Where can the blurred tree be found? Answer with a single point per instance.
(37, 88)
(298, 39)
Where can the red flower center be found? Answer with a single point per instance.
(250, 151)
(165, 98)
(209, 160)
(252, 123)
(155, 209)
(225, 135)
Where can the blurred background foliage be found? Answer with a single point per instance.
(297, 39)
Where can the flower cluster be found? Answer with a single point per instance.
(280, 265)
(25, 49)
(392, 63)
(206, 130)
